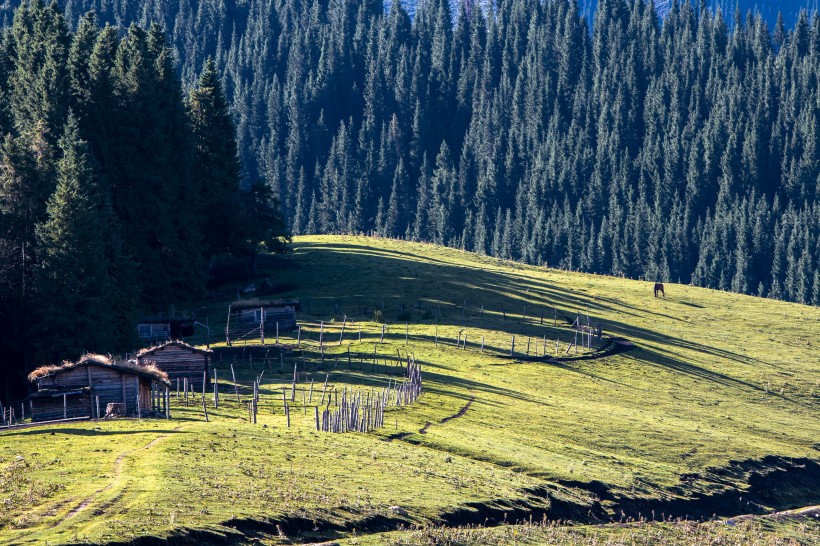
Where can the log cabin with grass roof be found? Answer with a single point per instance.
(180, 361)
(96, 386)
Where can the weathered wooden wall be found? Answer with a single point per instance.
(179, 362)
(109, 384)
(245, 322)
(50, 408)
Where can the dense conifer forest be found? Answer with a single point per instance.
(683, 149)
(110, 181)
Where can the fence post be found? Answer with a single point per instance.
(262, 324)
(216, 389)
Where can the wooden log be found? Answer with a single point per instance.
(65, 407)
(298, 336)
(381, 340)
(262, 324)
(235, 386)
(482, 344)
(324, 389)
(342, 335)
(216, 389)
(512, 346)
(204, 406)
(255, 400)
(316, 416)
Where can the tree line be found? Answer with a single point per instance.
(676, 150)
(116, 188)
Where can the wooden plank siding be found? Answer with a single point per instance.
(246, 322)
(110, 384)
(50, 408)
(179, 361)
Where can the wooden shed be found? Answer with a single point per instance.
(260, 318)
(158, 328)
(86, 387)
(179, 361)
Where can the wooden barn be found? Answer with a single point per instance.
(260, 318)
(85, 389)
(180, 361)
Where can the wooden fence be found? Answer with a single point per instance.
(363, 412)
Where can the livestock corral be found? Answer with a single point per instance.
(430, 396)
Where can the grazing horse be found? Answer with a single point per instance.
(659, 288)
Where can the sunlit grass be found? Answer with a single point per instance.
(714, 377)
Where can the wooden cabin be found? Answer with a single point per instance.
(260, 318)
(179, 361)
(86, 387)
(159, 329)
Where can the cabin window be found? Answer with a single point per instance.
(144, 330)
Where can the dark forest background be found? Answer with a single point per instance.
(117, 190)
(682, 149)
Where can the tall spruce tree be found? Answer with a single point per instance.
(217, 167)
(72, 279)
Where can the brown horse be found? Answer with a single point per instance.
(659, 288)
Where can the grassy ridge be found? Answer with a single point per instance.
(713, 378)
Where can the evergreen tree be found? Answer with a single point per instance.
(217, 164)
(72, 280)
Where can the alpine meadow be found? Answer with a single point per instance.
(418, 272)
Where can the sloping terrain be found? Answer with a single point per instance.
(701, 403)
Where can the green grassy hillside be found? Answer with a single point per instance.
(712, 410)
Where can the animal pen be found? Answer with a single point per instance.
(95, 387)
(260, 318)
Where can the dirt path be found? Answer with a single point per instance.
(459, 413)
(118, 469)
